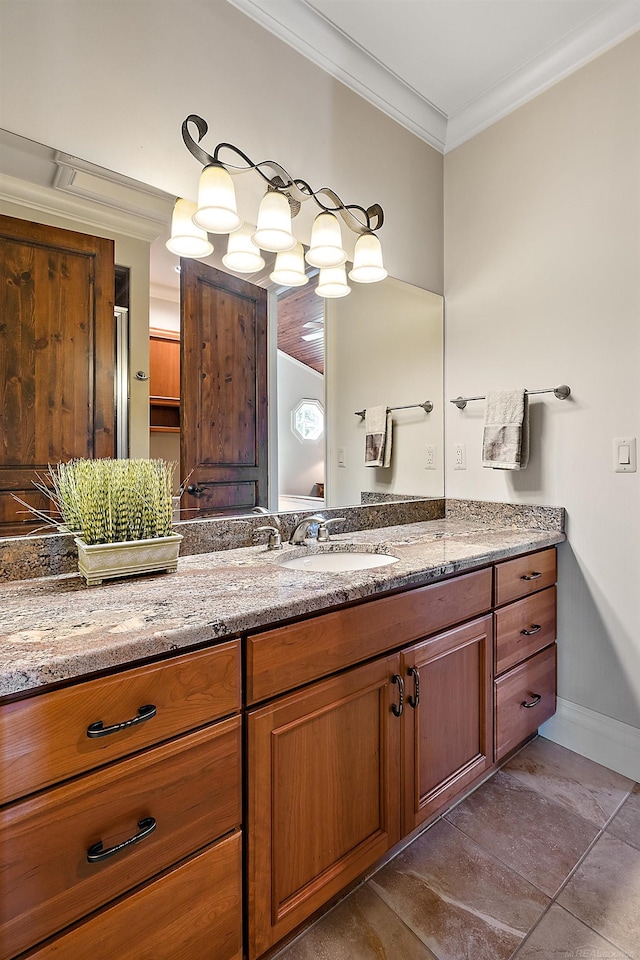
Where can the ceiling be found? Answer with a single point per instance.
(446, 69)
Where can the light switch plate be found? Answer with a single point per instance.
(625, 458)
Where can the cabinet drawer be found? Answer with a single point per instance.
(44, 739)
(190, 787)
(287, 657)
(193, 911)
(524, 575)
(536, 678)
(523, 628)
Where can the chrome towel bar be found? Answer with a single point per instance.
(561, 393)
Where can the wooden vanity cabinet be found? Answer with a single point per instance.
(121, 813)
(340, 770)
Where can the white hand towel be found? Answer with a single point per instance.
(505, 442)
(378, 425)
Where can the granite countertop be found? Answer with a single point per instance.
(56, 628)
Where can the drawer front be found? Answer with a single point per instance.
(44, 739)
(523, 628)
(287, 657)
(194, 911)
(524, 575)
(514, 722)
(190, 787)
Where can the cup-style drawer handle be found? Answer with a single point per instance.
(531, 576)
(98, 728)
(96, 853)
(537, 697)
(535, 628)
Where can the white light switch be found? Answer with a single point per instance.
(341, 457)
(624, 455)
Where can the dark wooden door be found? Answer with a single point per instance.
(447, 736)
(223, 371)
(57, 357)
(324, 795)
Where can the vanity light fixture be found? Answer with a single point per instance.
(216, 212)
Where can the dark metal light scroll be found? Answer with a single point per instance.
(357, 218)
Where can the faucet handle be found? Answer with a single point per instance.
(323, 528)
(275, 540)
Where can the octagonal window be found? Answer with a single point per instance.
(307, 420)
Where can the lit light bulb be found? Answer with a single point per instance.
(326, 242)
(289, 269)
(274, 223)
(186, 239)
(216, 211)
(242, 255)
(367, 260)
(332, 282)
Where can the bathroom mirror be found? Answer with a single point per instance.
(383, 342)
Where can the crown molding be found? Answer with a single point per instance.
(45, 200)
(312, 35)
(295, 23)
(161, 291)
(617, 22)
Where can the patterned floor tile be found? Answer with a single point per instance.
(537, 837)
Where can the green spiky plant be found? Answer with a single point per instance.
(110, 501)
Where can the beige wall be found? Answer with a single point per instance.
(112, 83)
(135, 255)
(384, 346)
(542, 267)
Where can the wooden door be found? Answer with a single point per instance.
(447, 735)
(223, 373)
(57, 357)
(324, 794)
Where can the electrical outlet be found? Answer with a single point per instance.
(430, 463)
(460, 457)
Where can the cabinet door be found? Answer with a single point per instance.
(447, 735)
(324, 794)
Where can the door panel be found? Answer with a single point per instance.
(223, 391)
(324, 795)
(57, 356)
(448, 732)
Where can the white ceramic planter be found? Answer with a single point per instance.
(106, 561)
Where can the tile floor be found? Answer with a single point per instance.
(542, 862)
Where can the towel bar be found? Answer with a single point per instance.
(427, 406)
(561, 393)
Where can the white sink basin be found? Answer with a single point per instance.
(335, 562)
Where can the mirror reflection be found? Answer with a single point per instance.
(380, 346)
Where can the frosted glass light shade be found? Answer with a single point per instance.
(332, 282)
(367, 260)
(289, 268)
(242, 255)
(216, 211)
(186, 239)
(274, 223)
(326, 242)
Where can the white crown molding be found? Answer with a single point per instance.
(96, 216)
(308, 32)
(618, 21)
(602, 739)
(314, 37)
(161, 291)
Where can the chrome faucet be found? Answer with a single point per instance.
(299, 534)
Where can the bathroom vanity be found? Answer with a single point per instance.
(365, 703)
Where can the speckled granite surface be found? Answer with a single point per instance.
(56, 628)
(23, 558)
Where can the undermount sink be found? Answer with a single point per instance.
(336, 562)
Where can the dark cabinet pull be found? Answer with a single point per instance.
(194, 490)
(535, 628)
(98, 729)
(537, 697)
(399, 709)
(414, 700)
(531, 576)
(96, 853)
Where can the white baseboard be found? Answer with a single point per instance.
(613, 744)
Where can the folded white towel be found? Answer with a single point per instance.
(505, 442)
(378, 424)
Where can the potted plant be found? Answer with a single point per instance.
(120, 512)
